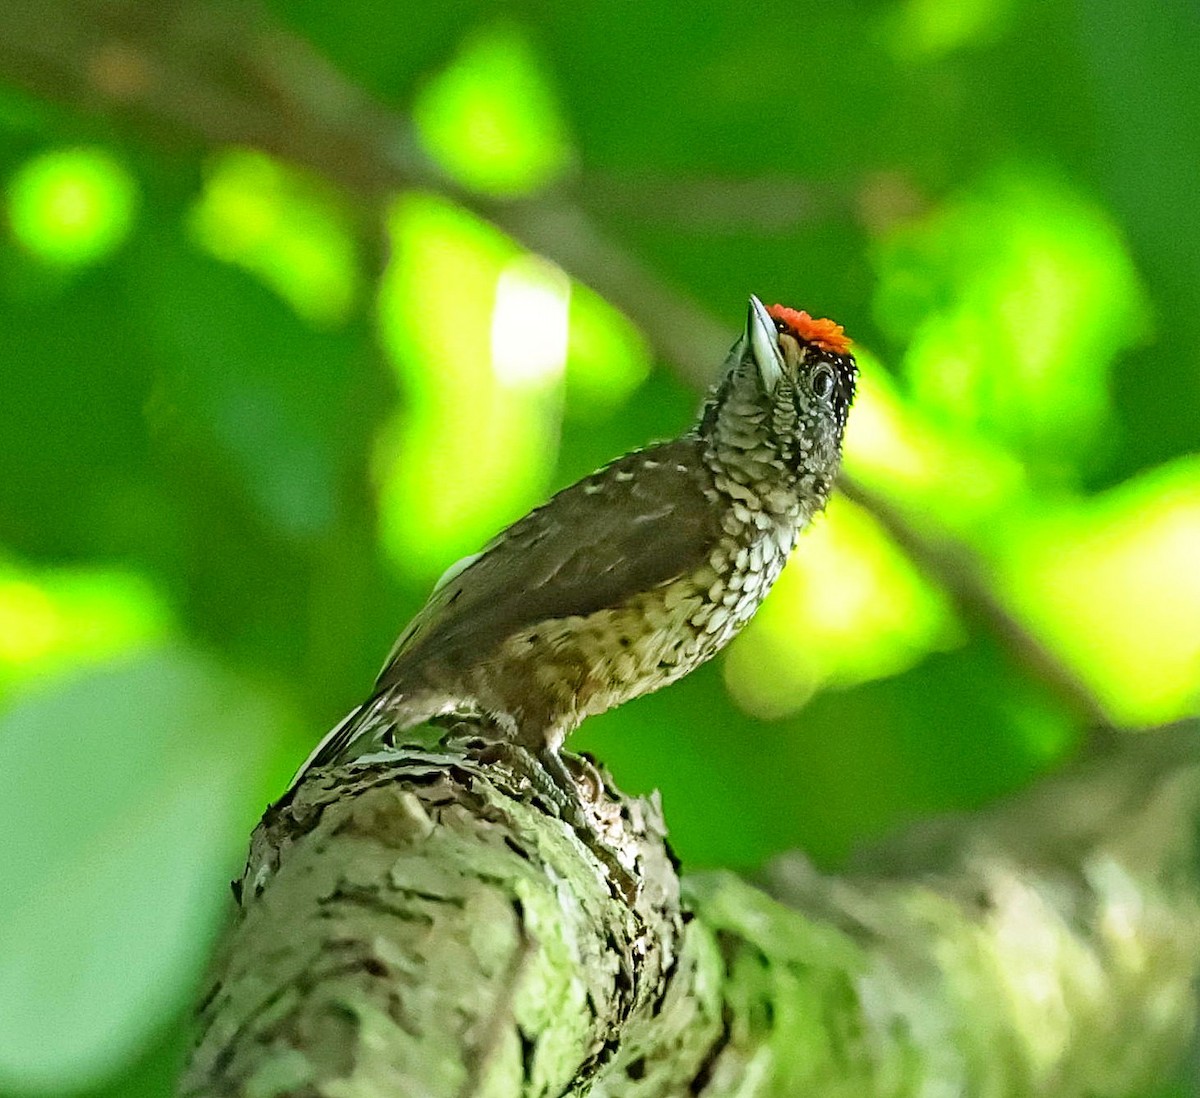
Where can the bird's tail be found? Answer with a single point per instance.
(353, 726)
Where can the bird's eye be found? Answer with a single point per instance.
(781, 326)
(822, 382)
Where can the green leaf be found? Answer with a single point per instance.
(284, 228)
(122, 803)
(246, 380)
(71, 207)
(1014, 300)
(491, 120)
(58, 618)
(477, 331)
(1112, 584)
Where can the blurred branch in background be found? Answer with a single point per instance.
(222, 76)
(962, 576)
(228, 75)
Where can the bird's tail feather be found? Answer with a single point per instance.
(353, 726)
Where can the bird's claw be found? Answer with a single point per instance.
(567, 785)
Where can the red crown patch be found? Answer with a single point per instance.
(819, 331)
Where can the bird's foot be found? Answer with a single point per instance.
(583, 786)
(569, 786)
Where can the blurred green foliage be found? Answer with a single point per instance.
(238, 444)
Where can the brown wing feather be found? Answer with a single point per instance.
(583, 551)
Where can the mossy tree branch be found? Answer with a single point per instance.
(424, 925)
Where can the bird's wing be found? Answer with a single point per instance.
(639, 522)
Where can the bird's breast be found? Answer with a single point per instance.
(583, 665)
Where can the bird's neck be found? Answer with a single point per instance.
(745, 461)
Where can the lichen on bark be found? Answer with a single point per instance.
(423, 923)
(425, 926)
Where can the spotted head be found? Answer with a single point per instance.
(779, 412)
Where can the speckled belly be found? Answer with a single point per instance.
(586, 665)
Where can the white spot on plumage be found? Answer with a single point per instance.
(456, 569)
(718, 618)
(785, 538)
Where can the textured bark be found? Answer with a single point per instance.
(425, 926)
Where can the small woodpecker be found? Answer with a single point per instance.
(635, 575)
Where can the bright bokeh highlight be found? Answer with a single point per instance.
(55, 618)
(930, 467)
(849, 607)
(490, 119)
(922, 30)
(476, 442)
(282, 227)
(530, 322)
(1114, 585)
(607, 357)
(491, 346)
(71, 207)
(1012, 302)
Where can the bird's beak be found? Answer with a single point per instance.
(764, 344)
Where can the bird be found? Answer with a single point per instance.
(633, 576)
